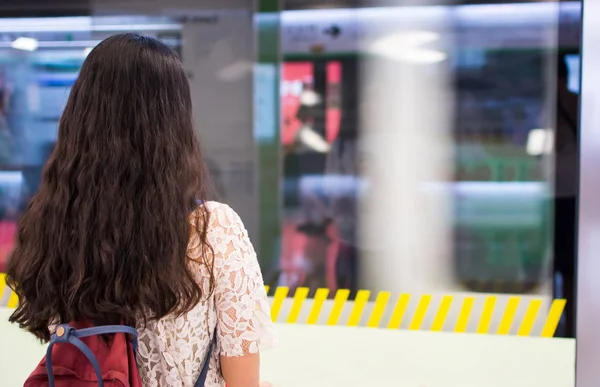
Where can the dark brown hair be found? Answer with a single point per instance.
(105, 239)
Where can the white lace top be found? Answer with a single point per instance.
(172, 350)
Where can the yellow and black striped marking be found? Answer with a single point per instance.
(481, 314)
(463, 313)
(7, 297)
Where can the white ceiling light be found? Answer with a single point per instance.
(540, 141)
(417, 56)
(26, 44)
(11, 177)
(407, 47)
(407, 39)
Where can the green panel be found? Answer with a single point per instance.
(268, 30)
(269, 6)
(267, 132)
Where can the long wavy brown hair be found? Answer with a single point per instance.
(105, 239)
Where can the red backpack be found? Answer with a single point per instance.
(78, 357)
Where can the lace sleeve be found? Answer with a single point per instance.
(244, 322)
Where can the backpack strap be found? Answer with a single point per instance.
(202, 378)
(109, 329)
(67, 334)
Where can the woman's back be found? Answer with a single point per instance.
(171, 347)
(109, 238)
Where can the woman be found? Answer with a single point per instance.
(115, 235)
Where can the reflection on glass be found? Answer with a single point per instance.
(440, 123)
(37, 70)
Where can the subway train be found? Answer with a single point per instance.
(502, 69)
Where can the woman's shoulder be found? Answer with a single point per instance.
(220, 216)
(211, 205)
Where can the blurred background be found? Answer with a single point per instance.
(400, 145)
